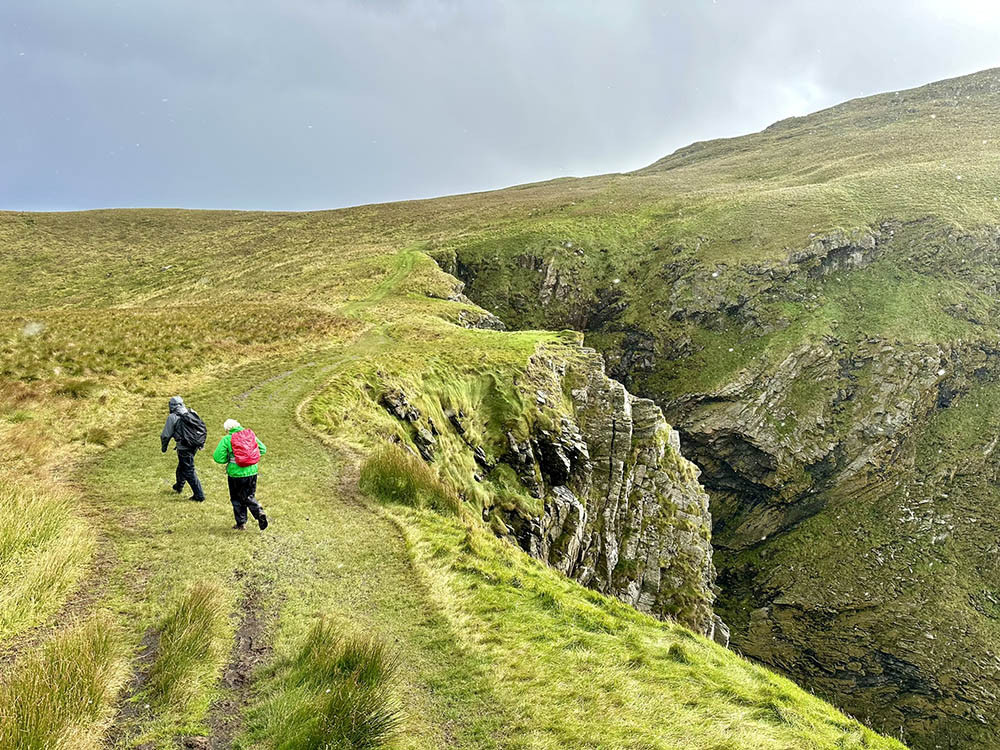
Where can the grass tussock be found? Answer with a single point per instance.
(44, 550)
(63, 697)
(393, 475)
(193, 646)
(335, 692)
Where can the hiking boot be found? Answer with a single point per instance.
(194, 499)
(177, 489)
(239, 527)
(262, 521)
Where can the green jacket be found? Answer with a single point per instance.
(224, 455)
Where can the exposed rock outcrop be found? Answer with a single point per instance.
(624, 513)
(824, 416)
(472, 316)
(395, 402)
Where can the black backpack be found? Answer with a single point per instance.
(190, 431)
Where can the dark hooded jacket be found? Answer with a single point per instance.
(176, 409)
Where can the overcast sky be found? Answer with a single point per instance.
(305, 104)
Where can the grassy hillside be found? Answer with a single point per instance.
(134, 617)
(815, 308)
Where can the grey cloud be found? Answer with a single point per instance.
(316, 104)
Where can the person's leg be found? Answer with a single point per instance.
(179, 474)
(184, 461)
(251, 502)
(197, 493)
(236, 497)
(186, 472)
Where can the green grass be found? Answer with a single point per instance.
(335, 692)
(327, 550)
(63, 697)
(44, 550)
(193, 644)
(299, 322)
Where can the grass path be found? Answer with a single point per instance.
(326, 553)
(403, 266)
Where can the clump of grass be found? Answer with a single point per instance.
(549, 600)
(97, 436)
(44, 550)
(80, 388)
(677, 653)
(63, 697)
(392, 475)
(326, 657)
(335, 693)
(193, 645)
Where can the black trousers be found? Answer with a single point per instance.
(186, 473)
(242, 494)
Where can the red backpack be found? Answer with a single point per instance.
(245, 450)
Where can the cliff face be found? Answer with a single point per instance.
(586, 477)
(623, 511)
(842, 405)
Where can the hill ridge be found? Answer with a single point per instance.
(989, 77)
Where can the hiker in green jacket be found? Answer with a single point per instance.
(240, 451)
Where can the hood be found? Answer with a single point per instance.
(176, 403)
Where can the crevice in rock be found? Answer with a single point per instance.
(611, 453)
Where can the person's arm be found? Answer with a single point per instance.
(221, 454)
(168, 432)
(261, 447)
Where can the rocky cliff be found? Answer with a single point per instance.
(816, 308)
(611, 502)
(623, 511)
(842, 404)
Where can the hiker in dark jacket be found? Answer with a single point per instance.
(241, 474)
(185, 452)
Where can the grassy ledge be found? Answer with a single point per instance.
(585, 671)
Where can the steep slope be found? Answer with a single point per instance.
(327, 333)
(815, 309)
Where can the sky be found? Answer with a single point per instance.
(314, 104)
